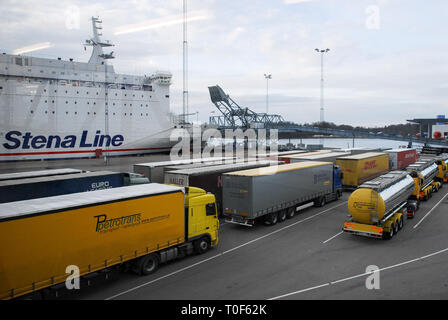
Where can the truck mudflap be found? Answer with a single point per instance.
(363, 230)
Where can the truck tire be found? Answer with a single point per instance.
(291, 213)
(320, 202)
(282, 216)
(202, 245)
(148, 264)
(390, 234)
(396, 228)
(400, 223)
(338, 194)
(271, 218)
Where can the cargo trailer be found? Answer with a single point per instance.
(42, 187)
(273, 194)
(40, 173)
(154, 170)
(204, 164)
(399, 159)
(362, 167)
(137, 227)
(210, 178)
(290, 158)
(325, 157)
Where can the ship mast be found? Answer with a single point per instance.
(98, 56)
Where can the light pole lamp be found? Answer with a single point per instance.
(267, 77)
(322, 51)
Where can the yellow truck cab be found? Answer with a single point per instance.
(201, 218)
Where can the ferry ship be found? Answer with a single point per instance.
(52, 108)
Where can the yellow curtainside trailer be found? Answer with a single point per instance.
(141, 225)
(362, 167)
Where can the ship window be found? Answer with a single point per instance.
(52, 101)
(32, 111)
(94, 103)
(19, 61)
(46, 112)
(66, 112)
(167, 96)
(88, 112)
(41, 71)
(130, 114)
(76, 102)
(94, 113)
(52, 112)
(76, 112)
(31, 100)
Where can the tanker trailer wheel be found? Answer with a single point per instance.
(202, 245)
(390, 234)
(396, 228)
(400, 223)
(148, 264)
(291, 213)
(282, 216)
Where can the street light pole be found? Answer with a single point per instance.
(322, 118)
(267, 77)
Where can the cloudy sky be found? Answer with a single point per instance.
(388, 58)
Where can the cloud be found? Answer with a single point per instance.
(295, 1)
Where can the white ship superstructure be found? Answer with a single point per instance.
(51, 108)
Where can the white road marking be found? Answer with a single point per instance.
(223, 253)
(360, 275)
(333, 237)
(437, 204)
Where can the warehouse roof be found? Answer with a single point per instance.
(280, 168)
(11, 210)
(363, 156)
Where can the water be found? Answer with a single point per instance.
(350, 143)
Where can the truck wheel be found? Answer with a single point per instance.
(396, 228)
(149, 264)
(271, 218)
(400, 223)
(319, 202)
(282, 216)
(202, 245)
(338, 194)
(291, 213)
(389, 234)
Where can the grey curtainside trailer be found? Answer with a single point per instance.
(210, 178)
(276, 194)
(154, 170)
